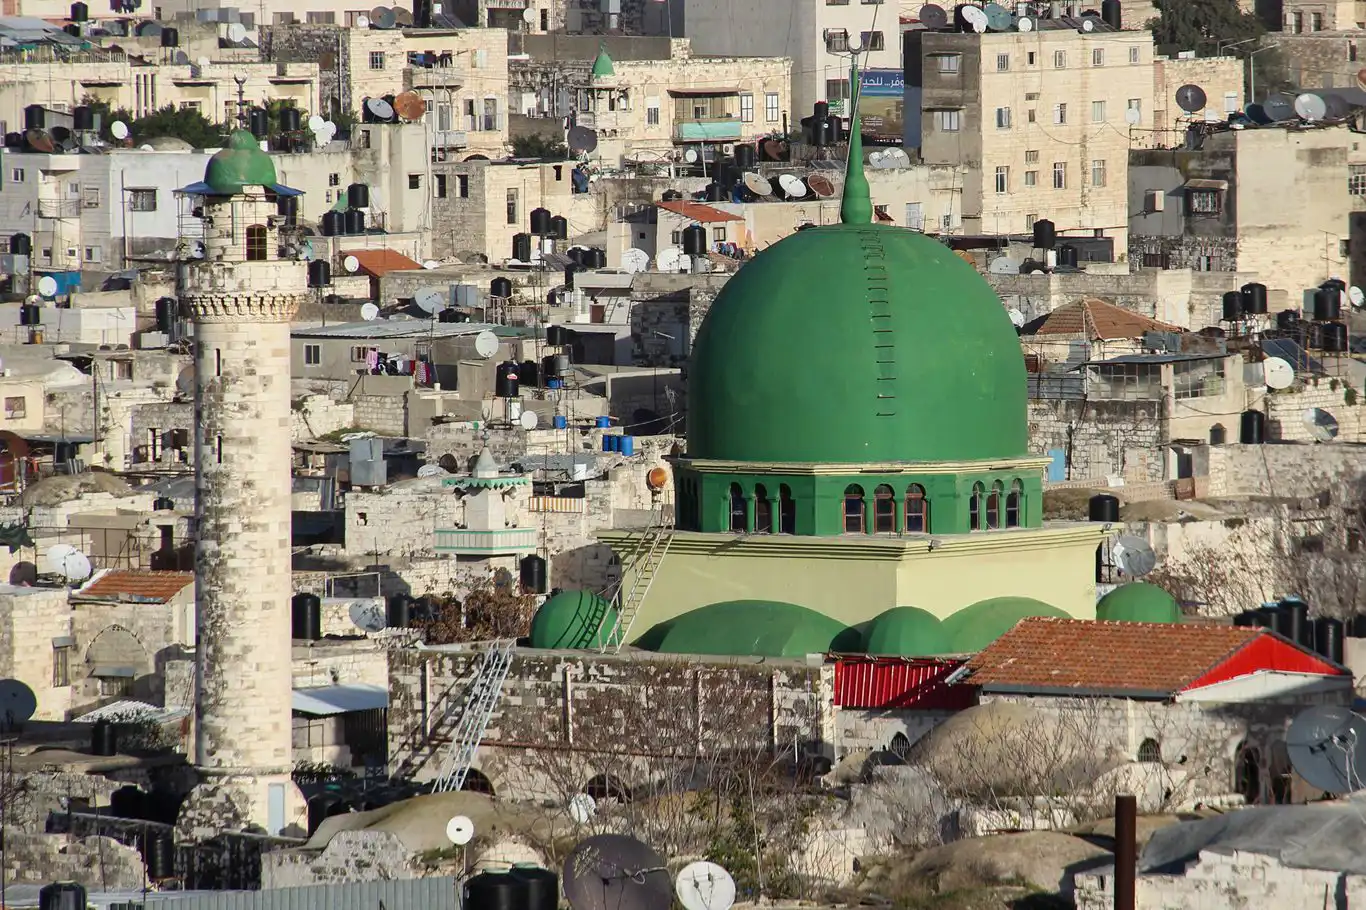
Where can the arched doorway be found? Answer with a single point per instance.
(608, 786)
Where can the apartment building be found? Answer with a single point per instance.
(1221, 78)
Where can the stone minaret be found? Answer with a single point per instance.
(241, 297)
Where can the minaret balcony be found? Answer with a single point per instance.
(499, 542)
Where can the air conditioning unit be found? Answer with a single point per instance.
(1155, 201)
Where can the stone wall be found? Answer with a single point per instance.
(98, 863)
(350, 856)
(1290, 471)
(30, 620)
(318, 415)
(160, 419)
(873, 731)
(1285, 410)
(329, 662)
(663, 326)
(383, 414)
(1100, 438)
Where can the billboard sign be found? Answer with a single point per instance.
(882, 106)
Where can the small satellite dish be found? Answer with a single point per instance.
(148, 147)
(933, 17)
(119, 130)
(616, 872)
(704, 886)
(821, 185)
(1279, 107)
(362, 21)
(1017, 318)
(410, 106)
(582, 140)
(1257, 114)
(23, 574)
(47, 286)
(1133, 556)
(1277, 373)
(1004, 265)
(1327, 747)
(635, 260)
(896, 157)
(486, 344)
(758, 185)
(529, 16)
(669, 259)
(431, 264)
(1088, 25)
(17, 702)
(366, 615)
(998, 17)
(792, 186)
(1190, 98)
(237, 32)
(431, 300)
(528, 420)
(369, 312)
(380, 109)
(1356, 296)
(975, 18)
(202, 62)
(1322, 425)
(1133, 116)
(431, 470)
(351, 264)
(460, 830)
(1024, 25)
(690, 155)
(1310, 107)
(582, 808)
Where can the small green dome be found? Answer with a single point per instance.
(974, 627)
(1138, 601)
(241, 164)
(857, 343)
(602, 66)
(573, 620)
(747, 628)
(904, 632)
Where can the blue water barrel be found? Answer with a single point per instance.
(559, 421)
(604, 422)
(626, 445)
(609, 442)
(554, 383)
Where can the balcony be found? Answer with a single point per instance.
(502, 542)
(436, 77)
(59, 208)
(449, 139)
(727, 130)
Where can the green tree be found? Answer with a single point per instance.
(182, 123)
(539, 147)
(1214, 27)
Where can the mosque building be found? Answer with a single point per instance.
(856, 476)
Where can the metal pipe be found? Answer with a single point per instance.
(1126, 850)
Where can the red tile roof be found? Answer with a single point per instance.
(1098, 320)
(376, 263)
(1154, 658)
(698, 212)
(137, 585)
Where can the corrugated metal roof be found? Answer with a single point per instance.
(325, 701)
(437, 893)
(1151, 358)
(897, 682)
(127, 708)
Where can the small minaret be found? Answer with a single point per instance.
(856, 203)
(242, 296)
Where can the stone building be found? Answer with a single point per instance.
(1221, 78)
(37, 646)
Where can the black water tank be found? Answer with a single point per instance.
(1045, 234)
(165, 309)
(1265, 617)
(80, 12)
(576, 254)
(1252, 428)
(548, 367)
(530, 374)
(1335, 337)
(319, 273)
(452, 315)
(1327, 304)
(104, 739)
(170, 37)
(35, 117)
(1297, 612)
(1282, 621)
(542, 887)
(1067, 255)
(744, 156)
(62, 896)
(287, 207)
(559, 227)
(291, 118)
(1334, 284)
(323, 806)
(1233, 306)
(1104, 507)
(820, 111)
(1245, 618)
(21, 244)
(307, 617)
(505, 384)
(569, 271)
(1254, 298)
(1328, 638)
(82, 118)
(521, 247)
(1111, 14)
(495, 891)
(258, 121)
(358, 196)
(556, 335)
(163, 504)
(716, 192)
(533, 574)
(397, 613)
(1288, 320)
(332, 224)
(500, 287)
(540, 222)
(72, 29)
(596, 258)
(694, 240)
(1356, 626)
(30, 314)
(128, 802)
(354, 221)
(158, 852)
(1313, 339)
(835, 130)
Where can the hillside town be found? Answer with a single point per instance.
(636, 454)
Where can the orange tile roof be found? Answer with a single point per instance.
(376, 263)
(698, 212)
(1095, 656)
(137, 585)
(1098, 320)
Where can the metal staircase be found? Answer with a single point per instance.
(644, 562)
(476, 709)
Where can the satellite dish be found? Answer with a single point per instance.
(431, 264)
(933, 17)
(1277, 373)
(380, 109)
(1133, 556)
(431, 470)
(1310, 107)
(758, 185)
(1339, 108)
(47, 286)
(367, 615)
(704, 886)
(690, 155)
(616, 872)
(460, 830)
(635, 260)
(362, 21)
(998, 17)
(1088, 25)
(23, 574)
(119, 130)
(382, 17)
(402, 17)
(528, 420)
(792, 186)
(975, 18)
(67, 561)
(431, 300)
(410, 106)
(369, 312)
(486, 344)
(17, 702)
(1326, 747)
(237, 32)
(1004, 265)
(1190, 98)
(1356, 296)
(877, 159)
(351, 264)
(1279, 107)
(896, 157)
(1322, 425)
(1132, 116)
(582, 808)
(1017, 318)
(529, 16)
(821, 185)
(203, 62)
(669, 259)
(1257, 114)
(1024, 25)
(148, 147)
(582, 140)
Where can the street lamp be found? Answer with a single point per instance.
(1252, 71)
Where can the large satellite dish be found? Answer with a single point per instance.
(351, 264)
(460, 830)
(582, 140)
(17, 703)
(367, 615)
(486, 344)
(431, 300)
(758, 185)
(67, 561)
(704, 886)
(933, 16)
(1004, 265)
(669, 259)
(1277, 373)
(1133, 556)
(1279, 107)
(410, 106)
(691, 155)
(1309, 106)
(616, 872)
(1339, 108)
(998, 17)
(1024, 24)
(635, 260)
(792, 186)
(315, 123)
(380, 109)
(821, 185)
(1190, 98)
(1356, 296)
(47, 286)
(237, 32)
(528, 420)
(1257, 114)
(582, 808)
(119, 130)
(975, 18)
(1133, 116)
(369, 312)
(1327, 747)
(1322, 425)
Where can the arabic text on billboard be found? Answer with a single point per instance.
(882, 106)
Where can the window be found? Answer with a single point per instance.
(763, 511)
(1002, 63)
(256, 242)
(191, 105)
(853, 509)
(1030, 116)
(142, 200)
(439, 190)
(462, 186)
(1231, 102)
(1013, 503)
(61, 666)
(115, 686)
(718, 234)
(1316, 22)
(1031, 58)
(1002, 180)
(334, 179)
(1032, 156)
(994, 506)
(948, 63)
(1097, 111)
(975, 507)
(836, 89)
(652, 113)
(1098, 172)
(414, 181)
(1136, 104)
(1059, 59)
(359, 353)
(90, 197)
(93, 254)
(836, 40)
(947, 121)
(676, 238)
(1097, 56)
(1059, 175)
(739, 509)
(1134, 55)
(1031, 178)
(771, 107)
(872, 41)
(1149, 751)
(1203, 202)
(1003, 118)
(884, 510)
(836, 2)
(1029, 222)
(787, 511)
(917, 510)
(16, 408)
(512, 206)
(1297, 23)
(1352, 52)
(377, 60)
(1059, 114)
(16, 175)
(313, 355)
(746, 108)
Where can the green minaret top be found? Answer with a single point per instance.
(856, 206)
(602, 66)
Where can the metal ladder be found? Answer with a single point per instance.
(649, 553)
(479, 703)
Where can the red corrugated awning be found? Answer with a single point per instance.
(899, 682)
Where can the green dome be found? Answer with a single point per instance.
(904, 632)
(573, 620)
(602, 66)
(1138, 601)
(747, 628)
(798, 360)
(974, 627)
(241, 164)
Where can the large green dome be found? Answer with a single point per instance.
(904, 632)
(748, 628)
(241, 164)
(974, 627)
(573, 620)
(1138, 601)
(856, 343)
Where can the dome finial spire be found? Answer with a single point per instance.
(856, 206)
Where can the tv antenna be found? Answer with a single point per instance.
(1327, 747)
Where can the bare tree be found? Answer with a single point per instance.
(494, 607)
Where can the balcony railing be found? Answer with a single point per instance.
(59, 208)
(449, 139)
(573, 504)
(485, 543)
(727, 130)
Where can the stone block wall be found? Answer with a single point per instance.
(331, 662)
(30, 618)
(1100, 438)
(98, 863)
(383, 414)
(1285, 410)
(160, 419)
(350, 856)
(872, 731)
(1218, 880)
(1291, 471)
(318, 415)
